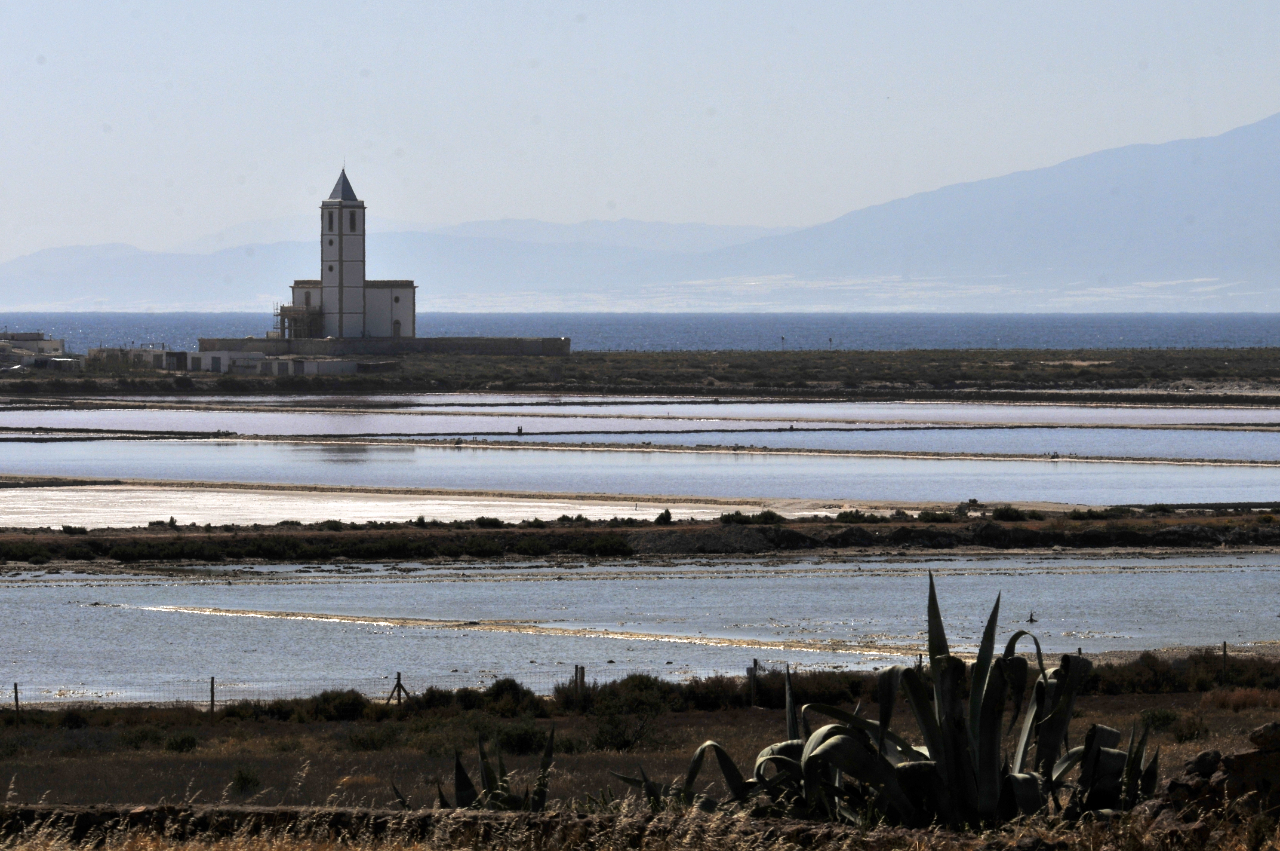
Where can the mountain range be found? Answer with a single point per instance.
(1189, 225)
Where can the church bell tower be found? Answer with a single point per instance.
(342, 261)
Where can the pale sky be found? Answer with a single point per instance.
(155, 123)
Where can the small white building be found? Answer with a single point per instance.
(342, 303)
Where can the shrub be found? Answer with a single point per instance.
(608, 544)
(139, 737)
(1113, 513)
(245, 781)
(489, 523)
(74, 530)
(1238, 699)
(1008, 512)
(857, 516)
(72, 720)
(376, 738)
(182, 743)
(1189, 728)
(664, 518)
(936, 517)
(531, 546)
(521, 738)
(478, 547)
(337, 705)
(1160, 719)
(507, 698)
(764, 518)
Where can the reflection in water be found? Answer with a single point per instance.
(718, 474)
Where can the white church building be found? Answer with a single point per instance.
(343, 303)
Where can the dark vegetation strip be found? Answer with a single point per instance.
(1200, 671)
(1002, 527)
(1152, 375)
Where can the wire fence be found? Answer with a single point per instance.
(218, 693)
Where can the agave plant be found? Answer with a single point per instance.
(495, 785)
(962, 774)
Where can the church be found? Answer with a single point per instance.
(343, 303)
(342, 313)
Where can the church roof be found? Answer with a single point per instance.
(342, 190)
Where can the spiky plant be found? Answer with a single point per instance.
(495, 784)
(962, 774)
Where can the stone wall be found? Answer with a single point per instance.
(535, 346)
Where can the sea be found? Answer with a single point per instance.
(652, 332)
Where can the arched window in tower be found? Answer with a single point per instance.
(331, 221)
(353, 222)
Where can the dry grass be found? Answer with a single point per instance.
(634, 827)
(319, 763)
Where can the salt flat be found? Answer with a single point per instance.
(136, 505)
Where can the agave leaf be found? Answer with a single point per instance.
(464, 791)
(538, 801)
(887, 685)
(732, 776)
(1011, 649)
(652, 791)
(503, 779)
(399, 798)
(1098, 737)
(855, 756)
(1133, 768)
(488, 779)
(443, 802)
(1015, 671)
(793, 712)
(821, 735)
(1029, 722)
(895, 748)
(1052, 731)
(978, 679)
(1023, 794)
(926, 720)
(987, 740)
(1069, 761)
(655, 792)
(1150, 774)
(783, 756)
(637, 782)
(955, 761)
(937, 634)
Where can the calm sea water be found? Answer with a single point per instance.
(698, 331)
(129, 634)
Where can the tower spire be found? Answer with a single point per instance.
(342, 190)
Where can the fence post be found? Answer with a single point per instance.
(17, 710)
(211, 698)
(581, 671)
(751, 678)
(1224, 663)
(397, 691)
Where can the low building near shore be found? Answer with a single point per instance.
(35, 350)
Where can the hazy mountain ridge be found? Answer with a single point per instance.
(1186, 225)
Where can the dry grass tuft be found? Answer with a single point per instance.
(1239, 699)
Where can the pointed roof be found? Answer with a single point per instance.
(342, 190)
